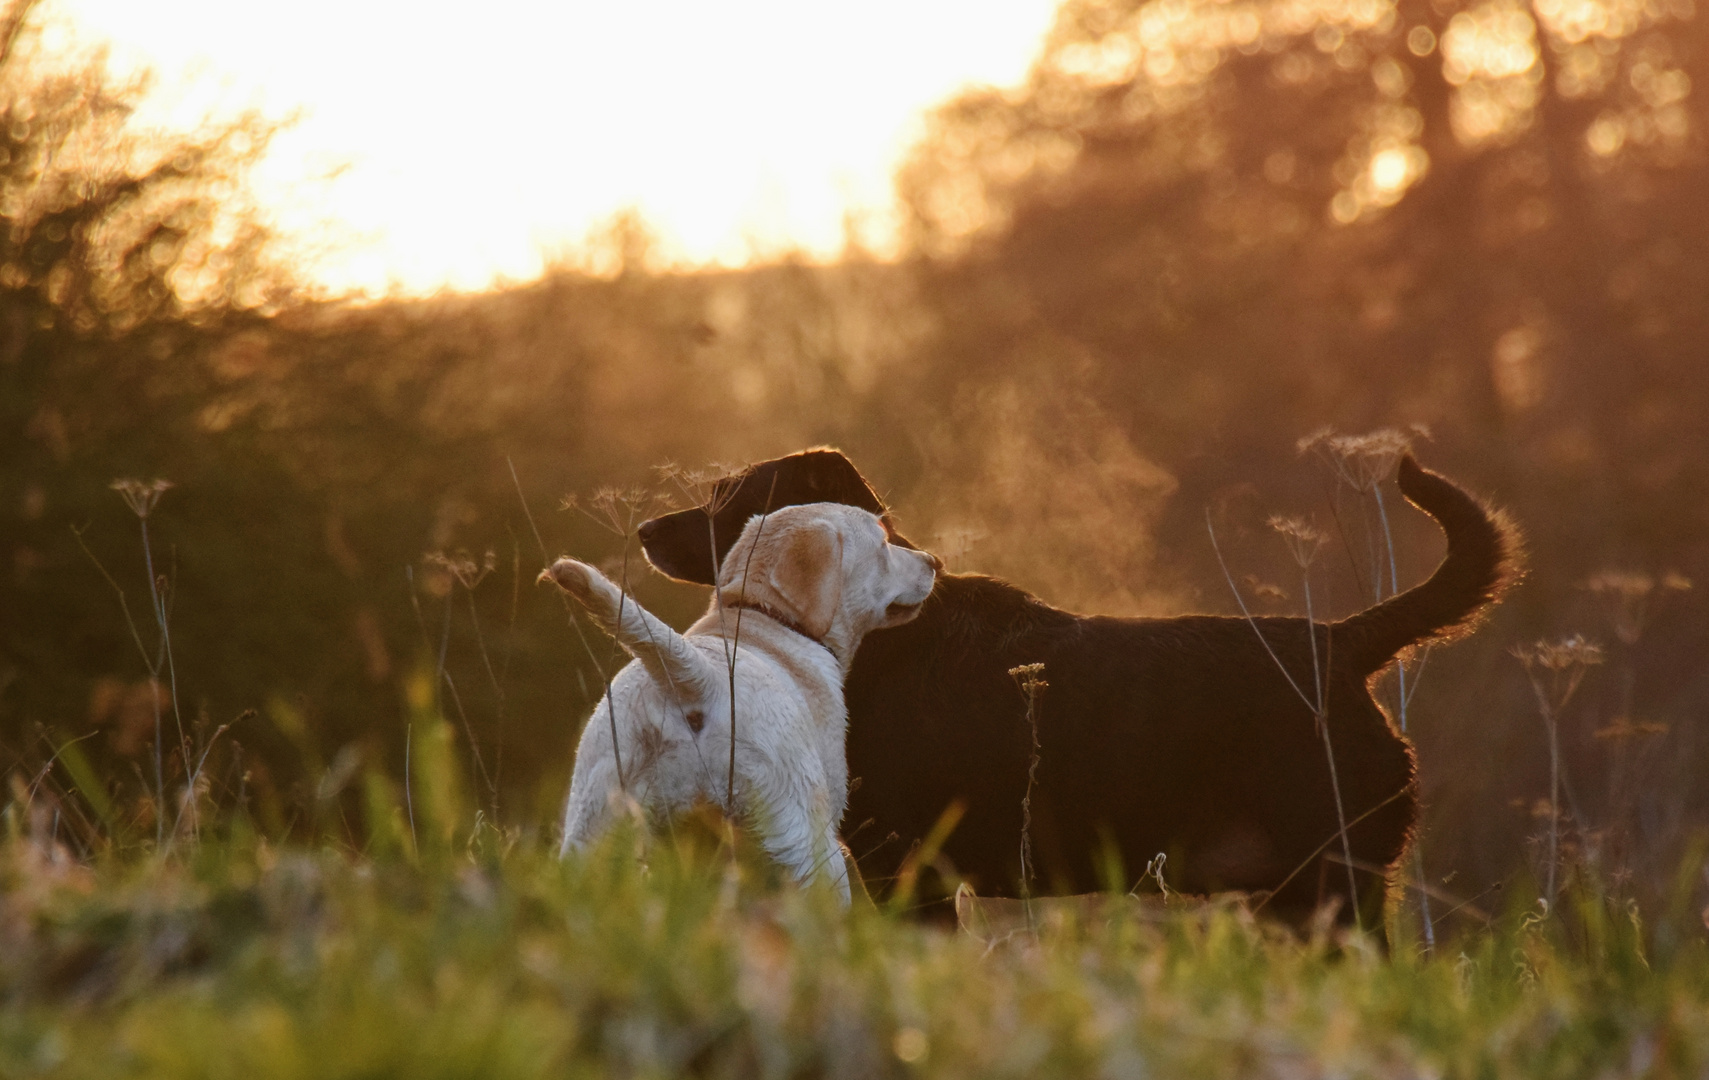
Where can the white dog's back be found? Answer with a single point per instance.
(792, 608)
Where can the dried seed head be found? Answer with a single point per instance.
(1627, 594)
(617, 510)
(1030, 678)
(141, 495)
(1562, 655)
(1556, 668)
(462, 566)
(1304, 540)
(1362, 461)
(710, 488)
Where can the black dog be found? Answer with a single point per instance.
(1178, 735)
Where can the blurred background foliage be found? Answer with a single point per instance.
(1200, 230)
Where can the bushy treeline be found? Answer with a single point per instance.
(1195, 234)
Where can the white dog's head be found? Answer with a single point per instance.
(830, 569)
(827, 568)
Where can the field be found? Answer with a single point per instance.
(488, 957)
(285, 723)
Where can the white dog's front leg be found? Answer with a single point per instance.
(800, 836)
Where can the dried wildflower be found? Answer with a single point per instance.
(1361, 461)
(463, 567)
(1304, 540)
(1029, 677)
(141, 495)
(1627, 595)
(710, 488)
(1555, 669)
(1563, 655)
(617, 510)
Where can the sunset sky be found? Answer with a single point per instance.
(445, 144)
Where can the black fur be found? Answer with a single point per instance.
(1176, 735)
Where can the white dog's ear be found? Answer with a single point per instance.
(797, 569)
(666, 655)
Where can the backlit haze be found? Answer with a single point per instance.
(453, 145)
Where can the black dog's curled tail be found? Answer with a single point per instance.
(1485, 557)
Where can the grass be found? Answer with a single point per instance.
(489, 957)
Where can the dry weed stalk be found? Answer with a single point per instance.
(1362, 463)
(1627, 596)
(712, 489)
(1629, 599)
(617, 510)
(731, 652)
(1030, 678)
(1304, 542)
(142, 497)
(569, 612)
(1555, 670)
(463, 570)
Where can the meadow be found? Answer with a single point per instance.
(479, 953)
(285, 724)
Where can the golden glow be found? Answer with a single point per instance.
(1490, 55)
(441, 144)
(1389, 170)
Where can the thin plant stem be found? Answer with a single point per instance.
(50, 761)
(1317, 707)
(457, 700)
(409, 798)
(569, 609)
(1029, 678)
(1554, 801)
(124, 604)
(189, 801)
(1252, 622)
(161, 618)
(1321, 848)
(498, 691)
(1328, 748)
(730, 653)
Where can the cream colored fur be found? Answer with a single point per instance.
(826, 568)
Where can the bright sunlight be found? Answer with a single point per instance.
(434, 148)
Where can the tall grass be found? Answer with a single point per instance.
(481, 953)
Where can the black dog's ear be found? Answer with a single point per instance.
(826, 475)
(681, 544)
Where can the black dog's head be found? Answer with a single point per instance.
(680, 544)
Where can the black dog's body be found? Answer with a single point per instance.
(1179, 735)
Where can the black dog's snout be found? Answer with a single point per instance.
(648, 529)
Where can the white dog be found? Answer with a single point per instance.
(804, 585)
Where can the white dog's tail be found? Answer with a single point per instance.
(666, 655)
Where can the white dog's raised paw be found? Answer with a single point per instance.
(569, 575)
